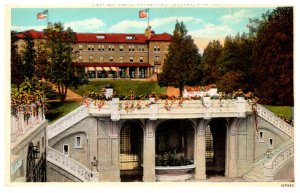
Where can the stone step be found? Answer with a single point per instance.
(253, 178)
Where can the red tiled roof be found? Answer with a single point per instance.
(34, 34)
(161, 37)
(109, 38)
(86, 64)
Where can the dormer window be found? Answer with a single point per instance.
(100, 37)
(130, 37)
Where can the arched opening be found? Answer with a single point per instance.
(174, 143)
(131, 151)
(215, 137)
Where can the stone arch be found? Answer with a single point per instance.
(175, 137)
(131, 134)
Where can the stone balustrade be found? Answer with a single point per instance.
(162, 109)
(275, 160)
(21, 123)
(67, 121)
(274, 120)
(70, 165)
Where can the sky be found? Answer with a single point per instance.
(203, 23)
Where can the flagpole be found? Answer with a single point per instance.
(148, 17)
(47, 18)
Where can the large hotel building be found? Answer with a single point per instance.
(116, 55)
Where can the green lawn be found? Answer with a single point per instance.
(285, 111)
(57, 110)
(122, 87)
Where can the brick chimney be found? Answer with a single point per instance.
(148, 32)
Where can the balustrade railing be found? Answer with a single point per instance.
(21, 123)
(274, 120)
(205, 108)
(67, 121)
(68, 164)
(274, 160)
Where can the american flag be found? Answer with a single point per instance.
(143, 13)
(42, 15)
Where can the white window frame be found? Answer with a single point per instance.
(121, 59)
(111, 59)
(121, 48)
(80, 142)
(80, 58)
(141, 59)
(131, 57)
(91, 58)
(66, 153)
(101, 59)
(261, 139)
(80, 47)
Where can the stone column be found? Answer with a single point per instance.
(137, 72)
(200, 148)
(126, 72)
(147, 72)
(232, 171)
(149, 152)
(110, 172)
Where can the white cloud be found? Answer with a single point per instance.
(126, 25)
(86, 25)
(237, 16)
(212, 31)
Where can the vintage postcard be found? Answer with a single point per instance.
(150, 94)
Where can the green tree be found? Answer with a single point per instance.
(41, 60)
(235, 59)
(28, 57)
(16, 63)
(60, 70)
(209, 62)
(182, 63)
(273, 57)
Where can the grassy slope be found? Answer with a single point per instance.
(57, 110)
(122, 87)
(285, 111)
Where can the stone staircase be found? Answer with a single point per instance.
(67, 121)
(257, 174)
(70, 165)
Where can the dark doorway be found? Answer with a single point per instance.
(131, 151)
(215, 136)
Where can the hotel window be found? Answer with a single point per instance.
(260, 136)
(130, 37)
(121, 47)
(91, 58)
(111, 59)
(101, 37)
(111, 48)
(101, 47)
(90, 47)
(80, 58)
(156, 48)
(101, 59)
(131, 48)
(141, 59)
(80, 47)
(66, 149)
(121, 59)
(141, 48)
(156, 58)
(78, 142)
(131, 59)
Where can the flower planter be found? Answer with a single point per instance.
(174, 173)
(240, 99)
